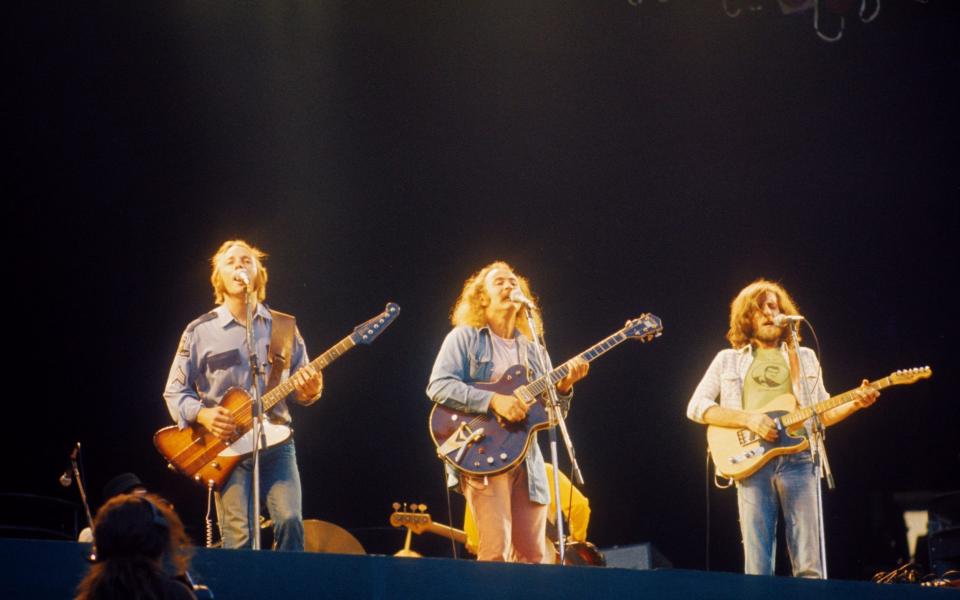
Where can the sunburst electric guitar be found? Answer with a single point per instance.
(485, 444)
(739, 453)
(207, 459)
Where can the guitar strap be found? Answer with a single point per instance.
(281, 346)
(794, 366)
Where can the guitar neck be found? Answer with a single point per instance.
(284, 388)
(820, 407)
(541, 384)
(446, 531)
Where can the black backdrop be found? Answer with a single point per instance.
(627, 159)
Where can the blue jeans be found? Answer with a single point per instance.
(279, 491)
(789, 483)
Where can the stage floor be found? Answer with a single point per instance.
(51, 569)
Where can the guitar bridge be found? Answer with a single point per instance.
(459, 441)
(752, 453)
(745, 436)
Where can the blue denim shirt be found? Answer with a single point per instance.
(466, 357)
(212, 358)
(724, 380)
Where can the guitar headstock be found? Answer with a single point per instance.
(905, 376)
(645, 327)
(416, 519)
(367, 332)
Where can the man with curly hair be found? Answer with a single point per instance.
(490, 335)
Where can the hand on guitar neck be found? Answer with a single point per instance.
(862, 397)
(577, 370)
(308, 383)
(513, 409)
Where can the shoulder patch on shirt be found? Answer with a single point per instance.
(201, 319)
(184, 348)
(179, 377)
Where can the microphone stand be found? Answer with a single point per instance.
(558, 420)
(83, 492)
(818, 452)
(256, 375)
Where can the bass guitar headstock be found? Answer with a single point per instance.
(368, 331)
(417, 519)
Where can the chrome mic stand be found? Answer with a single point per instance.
(558, 420)
(818, 451)
(256, 376)
(65, 481)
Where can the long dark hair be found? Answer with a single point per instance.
(140, 544)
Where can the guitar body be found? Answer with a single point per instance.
(502, 444)
(739, 453)
(486, 444)
(199, 454)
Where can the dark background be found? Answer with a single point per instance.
(626, 159)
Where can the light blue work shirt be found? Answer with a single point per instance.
(212, 358)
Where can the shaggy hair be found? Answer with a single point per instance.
(747, 303)
(259, 282)
(469, 308)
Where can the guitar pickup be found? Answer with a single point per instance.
(745, 436)
(459, 441)
(739, 458)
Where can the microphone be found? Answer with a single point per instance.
(781, 320)
(516, 295)
(242, 276)
(67, 478)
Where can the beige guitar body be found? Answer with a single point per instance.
(739, 453)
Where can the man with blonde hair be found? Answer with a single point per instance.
(759, 367)
(213, 358)
(491, 335)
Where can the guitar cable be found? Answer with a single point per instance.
(453, 543)
(706, 473)
(208, 522)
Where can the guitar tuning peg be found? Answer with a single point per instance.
(422, 507)
(396, 506)
(404, 507)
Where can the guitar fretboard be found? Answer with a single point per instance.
(284, 388)
(539, 385)
(820, 407)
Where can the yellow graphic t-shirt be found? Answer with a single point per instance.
(768, 377)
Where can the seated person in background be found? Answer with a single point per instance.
(124, 483)
(142, 551)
